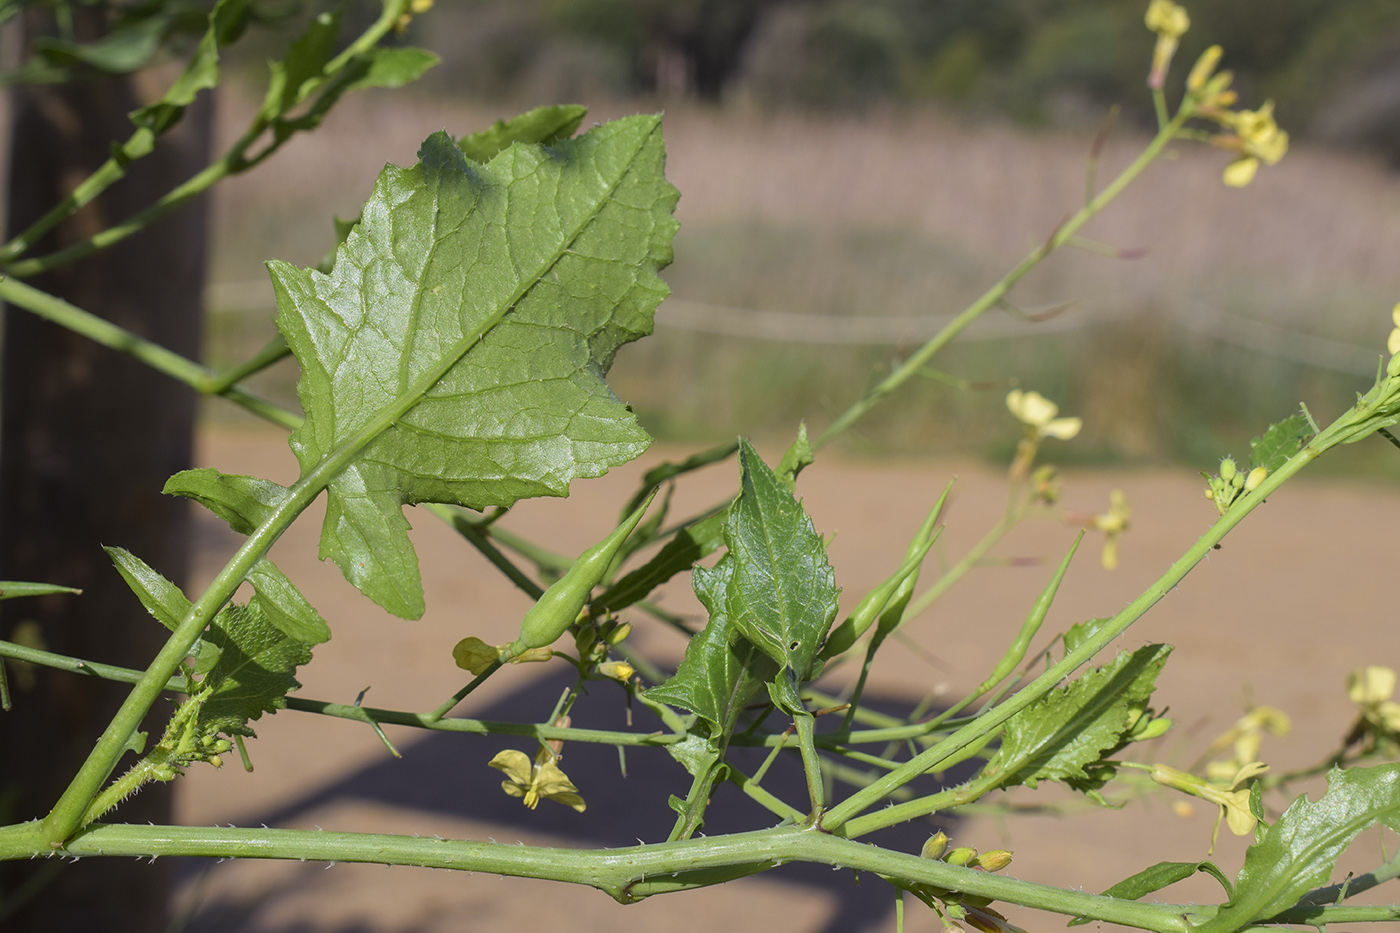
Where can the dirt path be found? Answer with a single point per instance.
(1258, 620)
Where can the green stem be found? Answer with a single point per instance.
(617, 872)
(141, 143)
(997, 292)
(976, 730)
(811, 762)
(104, 332)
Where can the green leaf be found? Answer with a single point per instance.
(1281, 441)
(284, 606)
(544, 125)
(1081, 632)
(305, 60)
(242, 501)
(13, 589)
(391, 67)
(456, 353)
(162, 599)
(1074, 726)
(783, 595)
(254, 672)
(226, 22)
(721, 670)
(126, 48)
(1298, 853)
(1159, 876)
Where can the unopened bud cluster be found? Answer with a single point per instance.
(1230, 483)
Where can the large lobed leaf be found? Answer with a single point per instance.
(456, 353)
(1298, 853)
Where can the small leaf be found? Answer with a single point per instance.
(543, 125)
(126, 48)
(13, 589)
(1157, 877)
(226, 22)
(284, 606)
(783, 595)
(1298, 853)
(1074, 726)
(243, 501)
(1281, 441)
(392, 67)
(162, 599)
(456, 352)
(721, 671)
(254, 672)
(1081, 632)
(306, 58)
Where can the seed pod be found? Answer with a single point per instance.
(550, 617)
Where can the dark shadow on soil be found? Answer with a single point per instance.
(446, 773)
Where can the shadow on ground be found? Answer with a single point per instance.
(446, 774)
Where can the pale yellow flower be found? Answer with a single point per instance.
(1037, 412)
(1169, 21)
(1245, 737)
(1371, 688)
(1256, 137)
(1232, 800)
(1113, 523)
(535, 779)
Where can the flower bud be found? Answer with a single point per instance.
(936, 845)
(1227, 469)
(962, 855)
(619, 671)
(618, 635)
(995, 860)
(1256, 476)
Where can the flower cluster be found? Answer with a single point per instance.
(1252, 135)
(1229, 484)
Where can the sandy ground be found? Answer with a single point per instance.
(1295, 599)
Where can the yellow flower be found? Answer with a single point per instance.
(1256, 137)
(1113, 523)
(1371, 689)
(415, 8)
(1245, 736)
(1038, 413)
(533, 780)
(1232, 800)
(1393, 344)
(1169, 21)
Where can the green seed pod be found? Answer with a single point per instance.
(550, 617)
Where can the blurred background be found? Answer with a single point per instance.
(853, 173)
